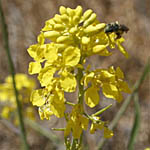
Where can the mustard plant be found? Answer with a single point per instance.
(25, 85)
(63, 47)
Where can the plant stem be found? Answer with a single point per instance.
(69, 103)
(80, 141)
(12, 71)
(81, 91)
(102, 110)
(136, 124)
(58, 129)
(74, 145)
(43, 131)
(67, 143)
(10, 126)
(80, 86)
(79, 76)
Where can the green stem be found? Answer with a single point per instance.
(43, 131)
(127, 102)
(12, 71)
(10, 126)
(80, 86)
(74, 144)
(67, 143)
(136, 125)
(69, 103)
(102, 110)
(80, 141)
(88, 116)
(58, 129)
(79, 76)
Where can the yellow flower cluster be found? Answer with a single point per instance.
(77, 122)
(111, 82)
(7, 97)
(64, 44)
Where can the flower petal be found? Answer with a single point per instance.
(37, 98)
(68, 83)
(92, 97)
(71, 56)
(34, 67)
(111, 91)
(46, 75)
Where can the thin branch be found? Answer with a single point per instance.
(136, 125)
(10, 126)
(43, 131)
(12, 71)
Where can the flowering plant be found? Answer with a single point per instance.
(25, 86)
(64, 46)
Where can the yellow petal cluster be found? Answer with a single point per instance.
(25, 86)
(110, 81)
(101, 125)
(92, 97)
(77, 122)
(63, 46)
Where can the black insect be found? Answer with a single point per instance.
(117, 28)
(80, 24)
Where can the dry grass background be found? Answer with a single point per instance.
(26, 18)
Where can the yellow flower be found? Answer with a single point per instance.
(6, 112)
(111, 82)
(71, 56)
(63, 46)
(37, 98)
(92, 97)
(45, 112)
(57, 103)
(117, 42)
(77, 122)
(50, 101)
(72, 28)
(68, 82)
(98, 124)
(34, 67)
(37, 51)
(24, 85)
(46, 75)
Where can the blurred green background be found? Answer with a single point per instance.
(26, 18)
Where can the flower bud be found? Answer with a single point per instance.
(90, 20)
(87, 14)
(51, 34)
(62, 10)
